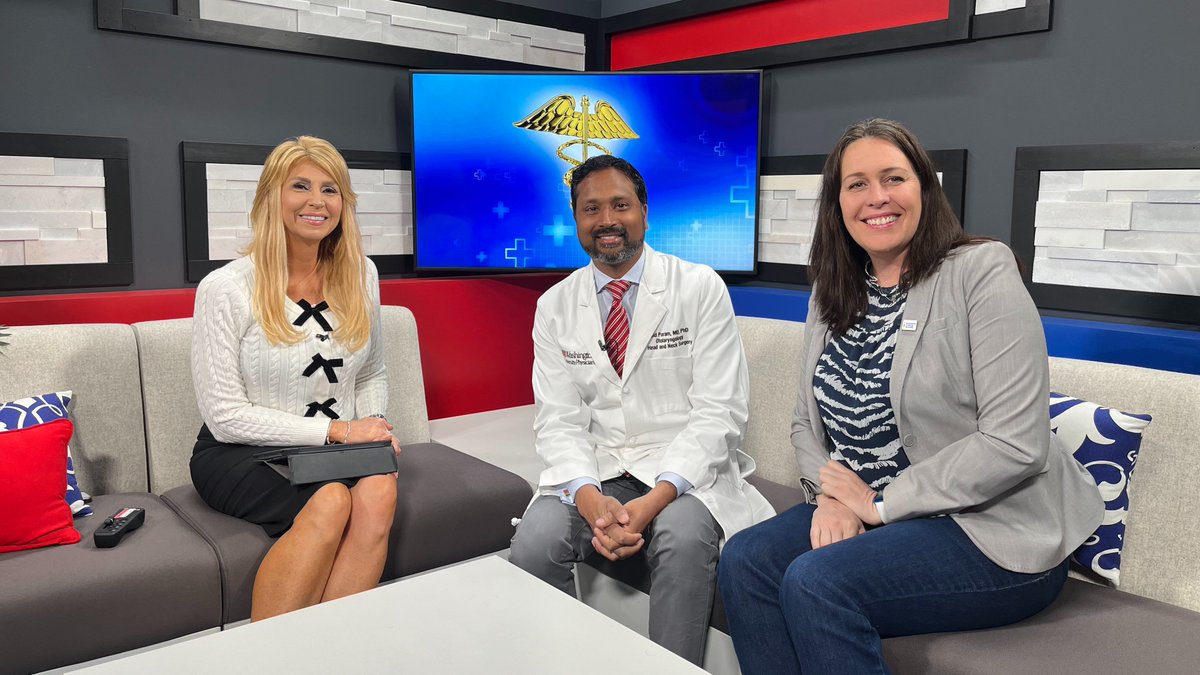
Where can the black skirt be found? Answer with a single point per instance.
(231, 481)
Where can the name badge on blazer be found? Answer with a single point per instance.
(908, 324)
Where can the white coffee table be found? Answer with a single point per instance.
(483, 616)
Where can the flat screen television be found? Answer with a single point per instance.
(490, 152)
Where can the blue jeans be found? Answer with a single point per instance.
(795, 610)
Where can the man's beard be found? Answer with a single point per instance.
(628, 252)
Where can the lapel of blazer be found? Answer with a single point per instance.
(650, 310)
(916, 309)
(588, 324)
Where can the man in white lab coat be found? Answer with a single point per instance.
(641, 390)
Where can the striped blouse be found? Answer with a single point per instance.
(852, 385)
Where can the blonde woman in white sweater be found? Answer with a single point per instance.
(286, 350)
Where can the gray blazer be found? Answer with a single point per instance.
(970, 382)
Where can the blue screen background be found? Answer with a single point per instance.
(491, 195)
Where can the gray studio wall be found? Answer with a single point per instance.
(60, 75)
(1110, 71)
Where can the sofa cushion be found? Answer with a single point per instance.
(1159, 557)
(239, 547)
(1106, 443)
(773, 355)
(450, 507)
(1088, 629)
(781, 497)
(26, 412)
(99, 363)
(160, 583)
(33, 462)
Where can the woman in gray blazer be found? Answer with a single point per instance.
(924, 395)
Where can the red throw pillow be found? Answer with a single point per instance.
(33, 462)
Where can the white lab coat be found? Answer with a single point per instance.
(681, 405)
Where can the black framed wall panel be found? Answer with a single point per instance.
(200, 217)
(50, 211)
(961, 24)
(186, 23)
(1034, 17)
(954, 28)
(1111, 229)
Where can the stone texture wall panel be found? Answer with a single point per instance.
(26, 166)
(1135, 230)
(408, 25)
(1166, 217)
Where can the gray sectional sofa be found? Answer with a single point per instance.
(1151, 624)
(189, 568)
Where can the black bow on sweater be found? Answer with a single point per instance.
(326, 408)
(320, 362)
(312, 312)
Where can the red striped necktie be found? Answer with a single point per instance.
(616, 329)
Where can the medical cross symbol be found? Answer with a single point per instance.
(512, 254)
(558, 230)
(500, 209)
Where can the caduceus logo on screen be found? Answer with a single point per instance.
(559, 116)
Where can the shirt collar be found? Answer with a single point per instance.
(633, 276)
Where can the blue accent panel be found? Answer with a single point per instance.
(1144, 346)
(769, 303)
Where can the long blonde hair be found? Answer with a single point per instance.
(340, 253)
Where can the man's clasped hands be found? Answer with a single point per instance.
(617, 528)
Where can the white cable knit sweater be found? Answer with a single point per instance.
(251, 392)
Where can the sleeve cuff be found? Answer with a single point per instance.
(566, 491)
(682, 486)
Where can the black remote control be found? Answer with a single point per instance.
(118, 525)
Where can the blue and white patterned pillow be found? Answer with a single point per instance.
(1105, 442)
(27, 412)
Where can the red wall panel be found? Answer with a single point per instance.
(475, 334)
(476, 339)
(767, 24)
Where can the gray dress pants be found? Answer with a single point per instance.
(681, 552)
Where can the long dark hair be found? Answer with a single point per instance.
(836, 264)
